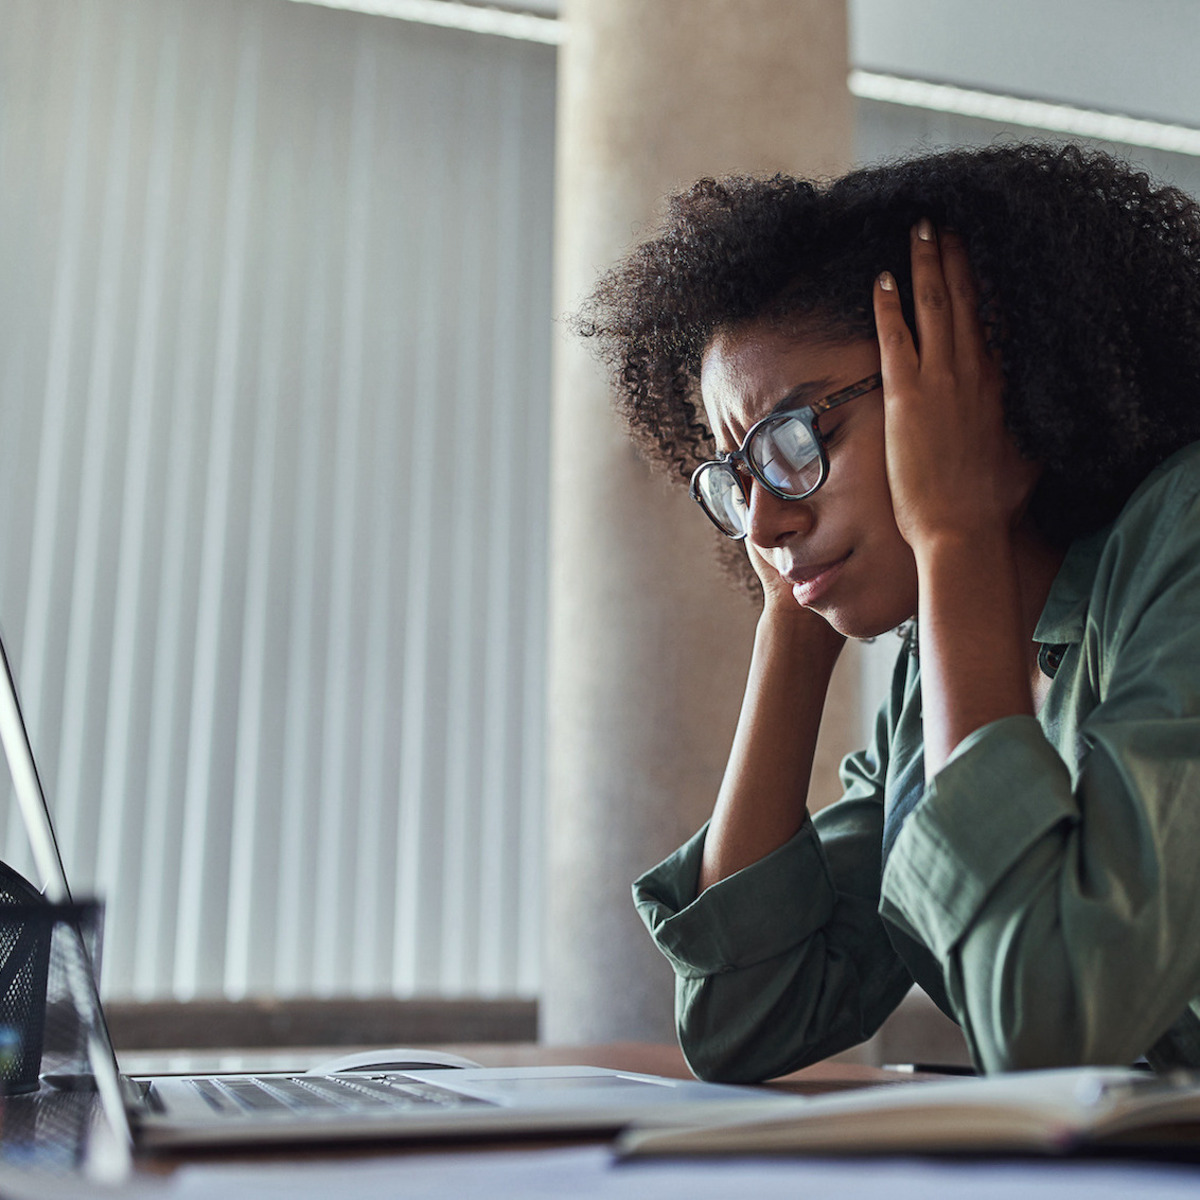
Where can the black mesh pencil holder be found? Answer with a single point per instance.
(45, 949)
(25, 935)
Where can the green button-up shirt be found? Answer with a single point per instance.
(1044, 887)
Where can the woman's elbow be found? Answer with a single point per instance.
(724, 1043)
(717, 1055)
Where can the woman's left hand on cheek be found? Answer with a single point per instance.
(952, 466)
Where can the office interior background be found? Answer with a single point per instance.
(275, 419)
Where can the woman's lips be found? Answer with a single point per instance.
(809, 584)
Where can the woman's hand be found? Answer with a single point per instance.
(959, 490)
(777, 593)
(952, 466)
(779, 603)
(775, 590)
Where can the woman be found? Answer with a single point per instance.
(957, 393)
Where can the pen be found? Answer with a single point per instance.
(916, 1068)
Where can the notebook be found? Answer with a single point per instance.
(394, 1101)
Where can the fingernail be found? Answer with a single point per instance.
(925, 229)
(886, 282)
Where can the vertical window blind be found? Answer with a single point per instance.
(274, 409)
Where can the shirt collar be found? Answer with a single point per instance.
(1064, 616)
(1065, 613)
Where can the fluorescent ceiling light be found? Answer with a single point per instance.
(1034, 114)
(450, 14)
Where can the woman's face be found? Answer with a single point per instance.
(839, 549)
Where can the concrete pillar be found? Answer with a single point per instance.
(648, 644)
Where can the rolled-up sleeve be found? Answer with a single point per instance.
(952, 854)
(723, 929)
(786, 961)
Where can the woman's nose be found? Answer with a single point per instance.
(771, 521)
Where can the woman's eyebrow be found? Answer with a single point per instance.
(799, 396)
(803, 394)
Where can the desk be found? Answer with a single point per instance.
(565, 1168)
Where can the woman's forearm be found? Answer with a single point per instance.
(764, 794)
(974, 645)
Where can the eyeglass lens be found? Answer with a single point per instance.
(720, 491)
(786, 453)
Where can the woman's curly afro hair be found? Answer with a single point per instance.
(1089, 280)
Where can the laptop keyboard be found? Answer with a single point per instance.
(316, 1093)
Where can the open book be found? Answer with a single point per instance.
(1030, 1111)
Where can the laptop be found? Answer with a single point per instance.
(394, 1095)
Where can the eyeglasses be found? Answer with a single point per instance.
(784, 452)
